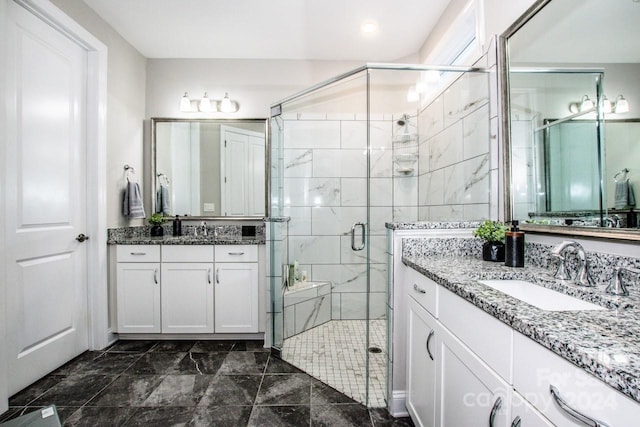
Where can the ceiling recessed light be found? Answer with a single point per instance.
(369, 26)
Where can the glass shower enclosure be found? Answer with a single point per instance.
(344, 161)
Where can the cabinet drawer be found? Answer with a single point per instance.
(536, 369)
(138, 253)
(485, 335)
(187, 253)
(236, 253)
(423, 290)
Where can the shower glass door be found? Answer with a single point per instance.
(321, 161)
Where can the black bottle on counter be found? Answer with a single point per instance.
(514, 246)
(632, 219)
(177, 226)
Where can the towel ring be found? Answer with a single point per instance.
(621, 171)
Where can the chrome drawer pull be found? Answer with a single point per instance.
(418, 289)
(428, 341)
(235, 253)
(496, 406)
(138, 253)
(155, 275)
(516, 422)
(575, 414)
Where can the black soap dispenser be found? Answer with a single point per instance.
(177, 226)
(514, 246)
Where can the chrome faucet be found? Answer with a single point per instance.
(617, 286)
(582, 275)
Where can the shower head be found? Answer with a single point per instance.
(404, 120)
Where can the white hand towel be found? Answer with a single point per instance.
(132, 206)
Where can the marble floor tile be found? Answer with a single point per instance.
(173, 346)
(280, 416)
(278, 366)
(221, 416)
(210, 346)
(35, 390)
(164, 416)
(285, 389)
(127, 390)
(74, 390)
(231, 390)
(250, 345)
(179, 390)
(132, 346)
(95, 362)
(99, 416)
(199, 363)
(322, 394)
(155, 363)
(244, 362)
(340, 415)
(381, 418)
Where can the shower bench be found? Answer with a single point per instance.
(306, 305)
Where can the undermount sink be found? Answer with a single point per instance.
(538, 296)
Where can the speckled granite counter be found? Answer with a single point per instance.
(604, 343)
(216, 235)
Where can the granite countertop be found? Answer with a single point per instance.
(605, 343)
(432, 225)
(186, 240)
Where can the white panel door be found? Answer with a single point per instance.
(256, 172)
(236, 298)
(45, 198)
(187, 297)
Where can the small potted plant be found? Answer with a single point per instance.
(492, 232)
(156, 220)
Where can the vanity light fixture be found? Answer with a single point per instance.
(185, 103)
(227, 105)
(205, 104)
(621, 106)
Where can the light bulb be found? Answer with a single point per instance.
(605, 104)
(205, 104)
(226, 105)
(622, 105)
(185, 103)
(586, 104)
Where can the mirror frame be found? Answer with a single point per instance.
(267, 142)
(505, 130)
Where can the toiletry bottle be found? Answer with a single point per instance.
(177, 226)
(514, 246)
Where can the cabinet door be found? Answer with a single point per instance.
(471, 394)
(236, 298)
(421, 365)
(187, 297)
(527, 414)
(138, 297)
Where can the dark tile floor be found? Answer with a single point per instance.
(194, 383)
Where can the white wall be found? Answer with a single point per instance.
(4, 393)
(125, 105)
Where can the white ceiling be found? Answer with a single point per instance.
(272, 29)
(580, 31)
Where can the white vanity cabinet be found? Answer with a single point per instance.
(138, 289)
(187, 289)
(422, 339)
(236, 288)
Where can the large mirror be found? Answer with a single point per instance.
(209, 168)
(572, 140)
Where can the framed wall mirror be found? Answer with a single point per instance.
(571, 117)
(209, 168)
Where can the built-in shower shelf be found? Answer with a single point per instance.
(405, 163)
(405, 137)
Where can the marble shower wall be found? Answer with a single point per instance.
(458, 150)
(325, 192)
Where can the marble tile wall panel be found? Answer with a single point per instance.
(446, 148)
(300, 223)
(431, 120)
(340, 163)
(464, 96)
(405, 191)
(312, 313)
(315, 250)
(405, 213)
(312, 191)
(312, 134)
(476, 133)
(353, 191)
(298, 163)
(476, 180)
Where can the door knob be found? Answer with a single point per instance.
(81, 238)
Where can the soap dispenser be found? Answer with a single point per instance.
(514, 246)
(177, 226)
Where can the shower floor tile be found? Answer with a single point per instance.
(335, 353)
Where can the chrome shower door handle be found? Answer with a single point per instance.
(353, 237)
